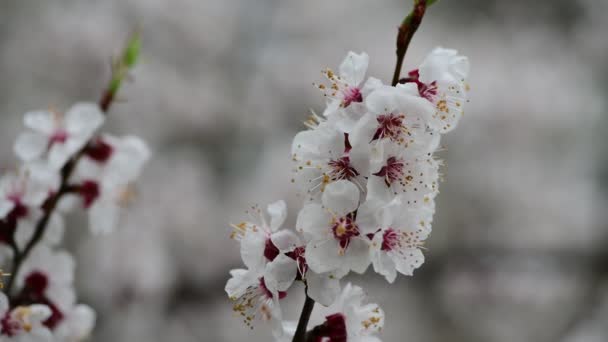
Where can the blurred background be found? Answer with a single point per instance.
(519, 250)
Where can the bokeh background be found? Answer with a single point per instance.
(519, 250)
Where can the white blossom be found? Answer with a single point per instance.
(337, 242)
(324, 155)
(347, 90)
(58, 136)
(441, 79)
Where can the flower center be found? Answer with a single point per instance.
(298, 255)
(58, 137)
(427, 91)
(390, 240)
(33, 292)
(270, 250)
(344, 229)
(89, 190)
(392, 171)
(341, 168)
(99, 150)
(351, 94)
(390, 126)
(334, 328)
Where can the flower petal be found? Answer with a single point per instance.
(278, 214)
(285, 240)
(324, 288)
(281, 273)
(313, 221)
(40, 121)
(323, 256)
(353, 68)
(356, 257)
(30, 146)
(341, 197)
(84, 118)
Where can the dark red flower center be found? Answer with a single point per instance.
(99, 150)
(351, 94)
(392, 171)
(344, 229)
(33, 292)
(298, 254)
(89, 190)
(270, 250)
(390, 126)
(333, 330)
(58, 137)
(390, 240)
(427, 91)
(341, 168)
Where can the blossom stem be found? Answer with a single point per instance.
(66, 172)
(300, 335)
(406, 31)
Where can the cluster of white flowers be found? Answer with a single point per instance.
(65, 165)
(369, 175)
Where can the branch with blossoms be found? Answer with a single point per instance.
(368, 172)
(66, 164)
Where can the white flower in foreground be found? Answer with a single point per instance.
(59, 135)
(346, 91)
(337, 242)
(324, 155)
(262, 240)
(397, 115)
(105, 178)
(349, 320)
(394, 172)
(23, 323)
(397, 247)
(441, 79)
(256, 291)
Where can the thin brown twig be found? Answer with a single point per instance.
(408, 27)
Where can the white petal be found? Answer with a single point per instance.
(313, 221)
(357, 257)
(278, 214)
(382, 100)
(281, 273)
(384, 265)
(371, 217)
(5, 208)
(341, 197)
(412, 260)
(370, 85)
(323, 288)
(84, 118)
(103, 216)
(252, 250)
(239, 282)
(81, 323)
(128, 158)
(30, 146)
(40, 121)
(353, 68)
(59, 154)
(285, 240)
(323, 256)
